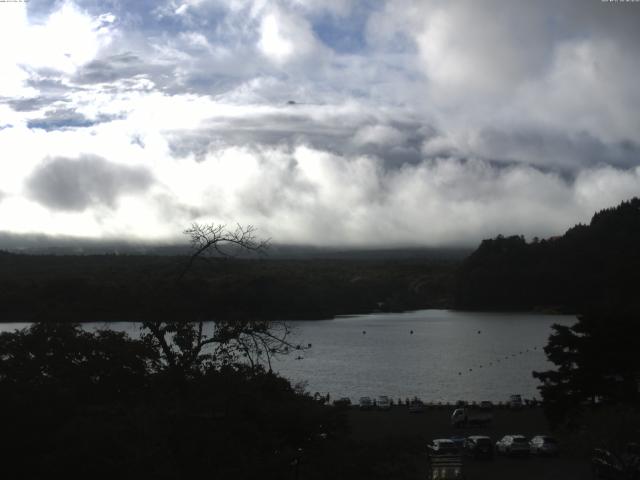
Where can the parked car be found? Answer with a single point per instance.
(631, 458)
(365, 403)
(342, 402)
(463, 417)
(605, 464)
(458, 441)
(442, 446)
(513, 445)
(479, 446)
(608, 465)
(384, 403)
(515, 401)
(486, 405)
(543, 445)
(416, 406)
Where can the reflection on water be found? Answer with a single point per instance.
(449, 356)
(438, 355)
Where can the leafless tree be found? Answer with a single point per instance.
(216, 239)
(189, 346)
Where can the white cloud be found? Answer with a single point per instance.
(439, 122)
(378, 135)
(286, 36)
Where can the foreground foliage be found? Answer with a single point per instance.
(102, 405)
(597, 364)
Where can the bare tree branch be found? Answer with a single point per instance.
(185, 345)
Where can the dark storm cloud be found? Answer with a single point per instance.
(76, 184)
(565, 151)
(545, 149)
(62, 118)
(395, 143)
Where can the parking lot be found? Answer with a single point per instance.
(372, 425)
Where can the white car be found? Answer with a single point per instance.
(513, 445)
(543, 445)
(384, 403)
(365, 403)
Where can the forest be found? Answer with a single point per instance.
(132, 287)
(590, 266)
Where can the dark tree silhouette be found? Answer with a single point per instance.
(596, 363)
(595, 266)
(185, 344)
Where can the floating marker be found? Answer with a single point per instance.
(411, 332)
(364, 332)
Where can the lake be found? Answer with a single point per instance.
(451, 355)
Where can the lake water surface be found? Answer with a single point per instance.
(450, 355)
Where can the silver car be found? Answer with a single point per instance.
(543, 445)
(513, 445)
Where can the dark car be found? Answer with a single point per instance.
(609, 465)
(544, 445)
(631, 459)
(442, 446)
(479, 446)
(605, 464)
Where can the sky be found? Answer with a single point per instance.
(328, 123)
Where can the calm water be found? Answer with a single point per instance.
(451, 355)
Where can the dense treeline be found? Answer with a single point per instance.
(590, 266)
(110, 287)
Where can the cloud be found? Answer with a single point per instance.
(110, 69)
(316, 197)
(61, 118)
(330, 122)
(286, 36)
(33, 103)
(76, 184)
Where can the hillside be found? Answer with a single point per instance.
(595, 265)
(134, 287)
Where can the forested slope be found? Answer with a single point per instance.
(590, 266)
